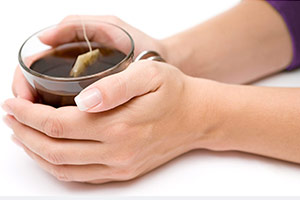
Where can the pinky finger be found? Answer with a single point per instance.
(72, 173)
(45, 165)
(100, 181)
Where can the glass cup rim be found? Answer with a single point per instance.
(69, 79)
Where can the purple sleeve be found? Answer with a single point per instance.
(290, 12)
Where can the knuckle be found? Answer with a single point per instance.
(121, 84)
(53, 126)
(54, 156)
(60, 173)
(69, 18)
(119, 129)
(125, 159)
(113, 19)
(155, 74)
(153, 69)
(149, 67)
(126, 174)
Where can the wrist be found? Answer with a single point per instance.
(173, 51)
(208, 109)
(193, 55)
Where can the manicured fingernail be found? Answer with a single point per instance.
(7, 109)
(16, 141)
(7, 121)
(88, 99)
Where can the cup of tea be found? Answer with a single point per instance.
(48, 56)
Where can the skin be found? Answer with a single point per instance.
(244, 44)
(153, 112)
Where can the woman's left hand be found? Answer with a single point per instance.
(141, 118)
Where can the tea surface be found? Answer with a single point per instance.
(59, 61)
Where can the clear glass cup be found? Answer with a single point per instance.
(60, 91)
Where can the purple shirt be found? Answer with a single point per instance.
(290, 12)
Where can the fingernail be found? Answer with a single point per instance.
(7, 109)
(7, 121)
(16, 141)
(88, 99)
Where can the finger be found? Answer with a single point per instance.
(71, 29)
(58, 151)
(64, 122)
(73, 173)
(138, 79)
(99, 181)
(64, 32)
(21, 88)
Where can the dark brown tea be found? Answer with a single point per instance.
(59, 62)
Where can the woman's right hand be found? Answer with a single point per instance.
(21, 87)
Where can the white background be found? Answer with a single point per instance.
(196, 173)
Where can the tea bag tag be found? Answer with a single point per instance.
(86, 59)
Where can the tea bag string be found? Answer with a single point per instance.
(84, 60)
(85, 36)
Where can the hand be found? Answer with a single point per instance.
(66, 34)
(159, 113)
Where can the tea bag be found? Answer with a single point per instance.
(83, 61)
(86, 59)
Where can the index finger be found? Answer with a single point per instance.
(66, 31)
(71, 30)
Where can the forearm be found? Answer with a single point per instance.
(246, 43)
(257, 120)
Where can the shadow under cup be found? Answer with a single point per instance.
(60, 91)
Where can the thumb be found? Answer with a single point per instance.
(138, 79)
